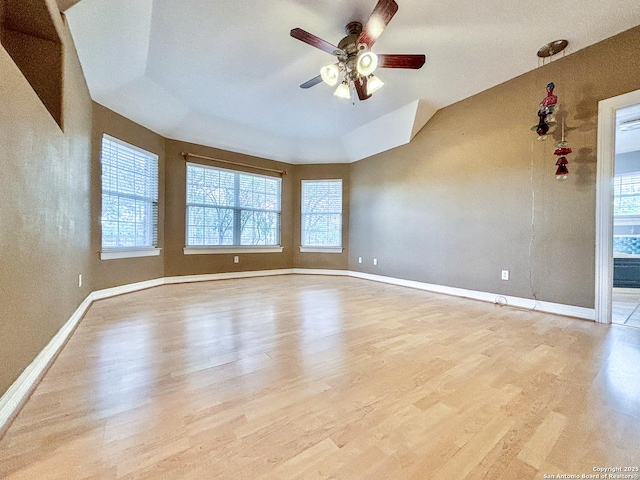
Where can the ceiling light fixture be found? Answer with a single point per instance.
(356, 61)
(373, 84)
(357, 74)
(343, 90)
(330, 74)
(366, 63)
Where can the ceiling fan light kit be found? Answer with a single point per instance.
(373, 84)
(356, 61)
(366, 63)
(343, 90)
(330, 74)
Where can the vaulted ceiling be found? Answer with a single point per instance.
(226, 73)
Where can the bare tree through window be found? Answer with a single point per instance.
(231, 208)
(321, 213)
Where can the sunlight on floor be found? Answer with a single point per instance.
(626, 307)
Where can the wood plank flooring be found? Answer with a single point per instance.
(305, 377)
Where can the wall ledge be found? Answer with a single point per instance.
(18, 393)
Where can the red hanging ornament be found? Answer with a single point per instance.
(545, 113)
(562, 150)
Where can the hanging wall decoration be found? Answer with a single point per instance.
(562, 151)
(546, 119)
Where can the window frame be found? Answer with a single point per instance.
(235, 248)
(317, 248)
(113, 253)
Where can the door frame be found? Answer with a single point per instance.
(604, 200)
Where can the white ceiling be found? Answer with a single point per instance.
(226, 73)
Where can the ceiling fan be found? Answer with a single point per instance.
(356, 61)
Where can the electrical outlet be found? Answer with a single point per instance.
(359, 259)
(236, 259)
(505, 274)
(375, 261)
(79, 280)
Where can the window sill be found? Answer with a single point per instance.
(321, 249)
(129, 253)
(230, 250)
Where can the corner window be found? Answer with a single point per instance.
(321, 216)
(226, 208)
(129, 200)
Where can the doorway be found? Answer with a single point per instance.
(617, 285)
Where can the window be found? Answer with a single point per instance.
(626, 188)
(227, 208)
(129, 200)
(321, 216)
(626, 214)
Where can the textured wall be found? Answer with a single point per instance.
(474, 189)
(44, 211)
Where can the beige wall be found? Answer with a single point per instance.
(454, 206)
(176, 263)
(44, 211)
(333, 261)
(111, 273)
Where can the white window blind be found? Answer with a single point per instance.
(129, 196)
(225, 207)
(626, 190)
(322, 213)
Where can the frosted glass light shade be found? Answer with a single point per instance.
(330, 74)
(373, 84)
(366, 63)
(343, 91)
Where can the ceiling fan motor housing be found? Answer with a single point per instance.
(349, 44)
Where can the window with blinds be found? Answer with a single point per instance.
(226, 208)
(129, 196)
(321, 213)
(626, 191)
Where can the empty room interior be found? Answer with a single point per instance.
(371, 239)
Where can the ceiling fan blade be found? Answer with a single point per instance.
(401, 61)
(314, 41)
(361, 88)
(311, 83)
(378, 21)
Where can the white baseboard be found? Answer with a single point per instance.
(527, 303)
(128, 288)
(19, 391)
(226, 276)
(320, 271)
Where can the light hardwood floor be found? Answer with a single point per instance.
(625, 308)
(305, 377)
